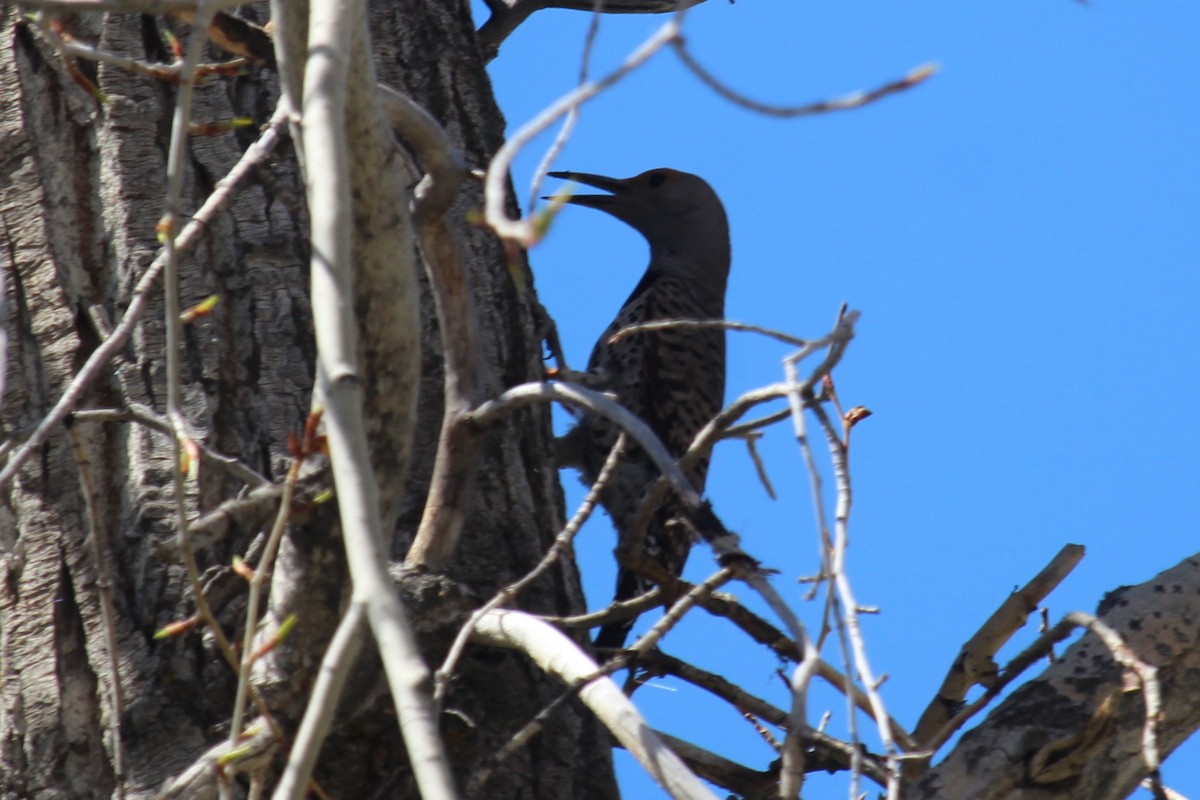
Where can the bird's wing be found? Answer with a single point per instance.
(673, 379)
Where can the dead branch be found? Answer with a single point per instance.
(975, 663)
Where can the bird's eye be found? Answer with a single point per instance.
(657, 179)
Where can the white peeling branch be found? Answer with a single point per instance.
(334, 30)
(553, 652)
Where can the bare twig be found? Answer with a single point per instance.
(712, 432)
(176, 155)
(676, 612)
(727, 774)
(564, 133)
(595, 402)
(791, 769)
(657, 662)
(1012, 670)
(68, 48)
(136, 412)
(702, 324)
(307, 447)
(318, 715)
(212, 769)
(495, 183)
(458, 443)
(850, 101)
(562, 543)
(617, 611)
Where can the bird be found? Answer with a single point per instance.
(673, 379)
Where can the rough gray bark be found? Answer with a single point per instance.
(1076, 730)
(81, 194)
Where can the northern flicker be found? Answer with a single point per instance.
(674, 379)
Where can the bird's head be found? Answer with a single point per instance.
(677, 212)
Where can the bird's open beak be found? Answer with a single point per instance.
(602, 201)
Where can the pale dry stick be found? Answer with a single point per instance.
(975, 664)
(332, 27)
(725, 605)
(841, 471)
(519, 741)
(659, 663)
(849, 616)
(254, 589)
(220, 199)
(180, 125)
(848, 102)
(757, 424)
(335, 669)
(553, 652)
(1145, 673)
(73, 48)
(495, 182)
(561, 542)
(101, 546)
(682, 606)
(760, 468)
(457, 456)
(702, 324)
(560, 140)
(791, 768)
(857, 762)
(569, 394)
(835, 342)
(136, 412)
(840, 336)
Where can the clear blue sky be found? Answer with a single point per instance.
(1022, 236)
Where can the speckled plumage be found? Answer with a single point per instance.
(673, 379)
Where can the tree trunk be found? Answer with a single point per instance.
(83, 188)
